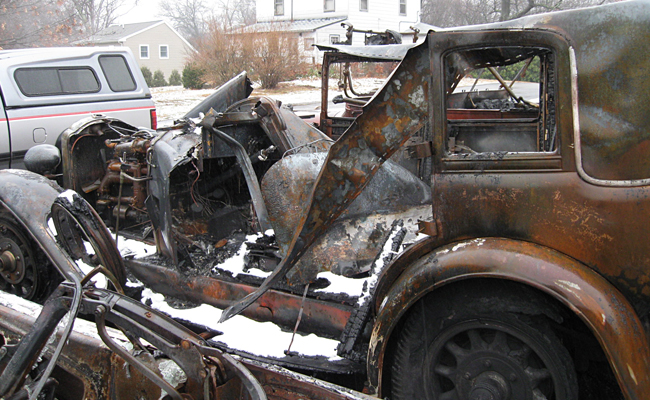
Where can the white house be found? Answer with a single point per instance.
(319, 22)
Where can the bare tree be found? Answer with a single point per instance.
(245, 12)
(236, 13)
(30, 23)
(190, 17)
(276, 58)
(467, 12)
(222, 56)
(95, 15)
(269, 57)
(194, 19)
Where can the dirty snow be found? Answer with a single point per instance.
(235, 264)
(341, 284)
(134, 248)
(261, 338)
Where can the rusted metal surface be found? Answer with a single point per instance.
(353, 241)
(614, 142)
(280, 383)
(241, 122)
(581, 199)
(169, 151)
(394, 114)
(284, 128)
(247, 169)
(344, 54)
(77, 222)
(188, 350)
(600, 226)
(229, 93)
(603, 308)
(392, 52)
(15, 372)
(325, 318)
(29, 198)
(104, 375)
(93, 371)
(595, 222)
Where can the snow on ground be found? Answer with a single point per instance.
(261, 338)
(173, 102)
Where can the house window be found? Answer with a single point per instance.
(363, 5)
(144, 51)
(402, 7)
(328, 5)
(499, 123)
(334, 39)
(164, 51)
(279, 7)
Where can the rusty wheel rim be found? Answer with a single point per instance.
(489, 360)
(18, 268)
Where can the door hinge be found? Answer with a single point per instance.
(429, 228)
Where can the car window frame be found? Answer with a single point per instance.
(21, 86)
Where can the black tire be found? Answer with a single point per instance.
(463, 347)
(25, 270)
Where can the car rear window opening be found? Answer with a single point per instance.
(56, 81)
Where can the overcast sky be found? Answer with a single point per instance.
(146, 10)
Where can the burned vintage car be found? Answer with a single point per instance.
(507, 260)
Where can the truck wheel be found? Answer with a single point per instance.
(466, 350)
(24, 270)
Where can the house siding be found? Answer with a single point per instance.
(301, 10)
(381, 15)
(162, 34)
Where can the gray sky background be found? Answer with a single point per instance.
(146, 10)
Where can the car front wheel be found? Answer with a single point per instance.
(466, 349)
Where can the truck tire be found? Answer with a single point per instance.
(24, 268)
(464, 348)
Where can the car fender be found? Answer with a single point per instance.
(591, 297)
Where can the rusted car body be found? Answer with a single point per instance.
(532, 281)
(337, 61)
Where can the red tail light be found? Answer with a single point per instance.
(154, 119)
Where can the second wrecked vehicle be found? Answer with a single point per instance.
(532, 281)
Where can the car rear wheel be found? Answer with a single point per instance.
(466, 350)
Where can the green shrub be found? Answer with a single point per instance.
(148, 77)
(158, 79)
(175, 78)
(192, 77)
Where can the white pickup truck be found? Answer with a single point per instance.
(44, 91)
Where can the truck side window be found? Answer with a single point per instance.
(117, 73)
(500, 100)
(56, 81)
